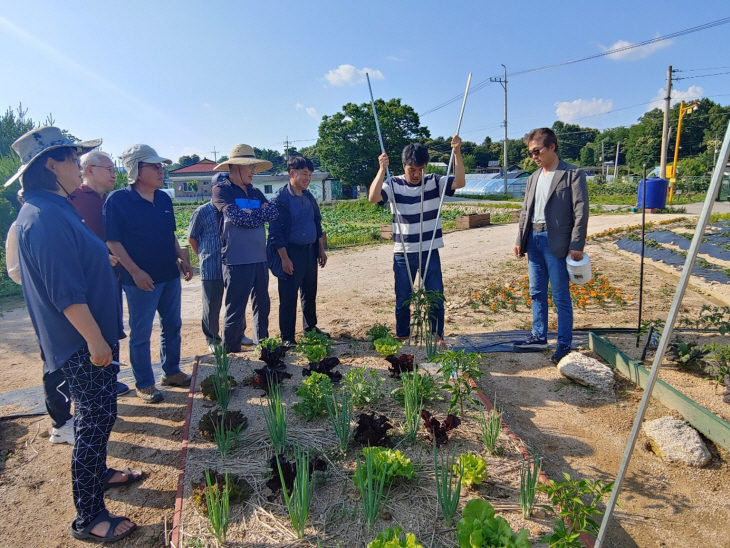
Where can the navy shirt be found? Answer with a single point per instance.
(146, 230)
(303, 231)
(63, 263)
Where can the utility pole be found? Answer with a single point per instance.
(286, 149)
(603, 162)
(215, 154)
(615, 164)
(665, 126)
(505, 166)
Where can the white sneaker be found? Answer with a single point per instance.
(245, 341)
(65, 434)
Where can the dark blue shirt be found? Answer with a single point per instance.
(146, 230)
(64, 263)
(303, 231)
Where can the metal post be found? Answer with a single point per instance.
(396, 215)
(694, 247)
(665, 127)
(615, 163)
(448, 170)
(641, 267)
(506, 161)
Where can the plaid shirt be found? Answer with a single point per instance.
(204, 229)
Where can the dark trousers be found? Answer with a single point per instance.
(94, 393)
(434, 281)
(240, 281)
(212, 301)
(58, 397)
(303, 280)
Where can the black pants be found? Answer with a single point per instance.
(58, 397)
(304, 279)
(240, 281)
(212, 300)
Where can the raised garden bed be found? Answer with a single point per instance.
(475, 220)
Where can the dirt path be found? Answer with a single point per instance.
(356, 290)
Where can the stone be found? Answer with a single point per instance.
(676, 441)
(587, 371)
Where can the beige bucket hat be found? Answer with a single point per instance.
(243, 155)
(39, 140)
(135, 154)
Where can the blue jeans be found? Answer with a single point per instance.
(544, 267)
(434, 281)
(165, 300)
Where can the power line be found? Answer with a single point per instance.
(698, 70)
(655, 40)
(700, 76)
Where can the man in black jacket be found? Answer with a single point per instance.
(296, 236)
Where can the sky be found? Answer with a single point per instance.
(193, 77)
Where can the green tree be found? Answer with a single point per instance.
(121, 180)
(273, 156)
(223, 158)
(572, 138)
(348, 141)
(587, 156)
(185, 161)
(13, 124)
(312, 153)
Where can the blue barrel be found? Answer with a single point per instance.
(656, 193)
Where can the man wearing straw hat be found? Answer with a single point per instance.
(245, 210)
(140, 231)
(553, 224)
(415, 211)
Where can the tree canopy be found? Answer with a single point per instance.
(348, 142)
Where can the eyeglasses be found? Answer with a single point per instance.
(111, 170)
(536, 151)
(153, 166)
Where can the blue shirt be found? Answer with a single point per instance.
(63, 263)
(204, 229)
(302, 231)
(146, 230)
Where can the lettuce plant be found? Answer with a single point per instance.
(395, 464)
(378, 331)
(390, 538)
(372, 430)
(387, 346)
(474, 467)
(479, 527)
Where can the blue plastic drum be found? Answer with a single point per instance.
(656, 193)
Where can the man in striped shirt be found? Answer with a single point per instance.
(415, 209)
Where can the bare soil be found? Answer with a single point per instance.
(575, 430)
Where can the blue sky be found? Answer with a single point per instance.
(185, 77)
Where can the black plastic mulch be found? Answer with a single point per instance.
(503, 341)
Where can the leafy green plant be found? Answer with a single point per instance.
(413, 403)
(457, 368)
(369, 479)
(378, 331)
(300, 499)
(226, 438)
(576, 501)
(715, 317)
(473, 467)
(313, 337)
(424, 304)
(562, 536)
(219, 510)
(270, 343)
(363, 385)
(387, 346)
(490, 426)
(390, 538)
(395, 464)
(340, 413)
(427, 387)
(686, 354)
(479, 527)
(275, 416)
(719, 362)
(448, 491)
(529, 481)
(312, 396)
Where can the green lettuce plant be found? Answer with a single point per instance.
(474, 469)
(378, 331)
(479, 527)
(387, 346)
(395, 463)
(312, 396)
(390, 538)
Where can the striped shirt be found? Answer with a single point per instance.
(408, 201)
(204, 229)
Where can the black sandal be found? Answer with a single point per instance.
(133, 475)
(86, 534)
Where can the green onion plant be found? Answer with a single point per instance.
(225, 439)
(340, 413)
(529, 480)
(371, 489)
(491, 426)
(413, 402)
(275, 416)
(219, 511)
(448, 489)
(300, 499)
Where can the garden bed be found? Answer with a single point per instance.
(336, 516)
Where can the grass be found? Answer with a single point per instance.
(275, 416)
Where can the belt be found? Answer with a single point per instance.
(539, 227)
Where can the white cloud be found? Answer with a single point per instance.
(692, 93)
(395, 58)
(349, 75)
(311, 111)
(634, 54)
(567, 111)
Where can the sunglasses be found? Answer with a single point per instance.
(536, 151)
(153, 166)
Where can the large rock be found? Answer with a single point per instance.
(587, 371)
(676, 441)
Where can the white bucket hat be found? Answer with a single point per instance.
(140, 153)
(243, 155)
(37, 141)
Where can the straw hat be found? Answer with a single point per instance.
(39, 140)
(243, 155)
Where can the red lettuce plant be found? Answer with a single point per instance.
(400, 364)
(435, 430)
(372, 430)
